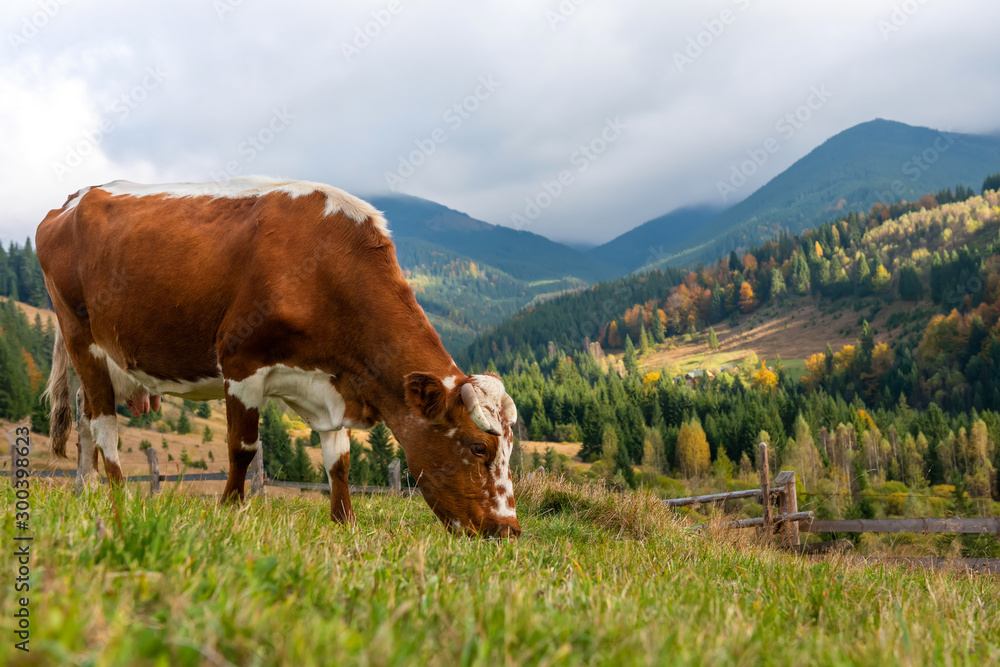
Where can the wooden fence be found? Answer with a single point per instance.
(256, 473)
(982, 526)
(791, 521)
(788, 518)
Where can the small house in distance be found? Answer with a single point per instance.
(692, 378)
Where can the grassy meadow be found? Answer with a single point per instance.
(598, 577)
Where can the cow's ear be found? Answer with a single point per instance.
(427, 395)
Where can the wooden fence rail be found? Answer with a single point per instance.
(155, 479)
(789, 516)
(790, 521)
(949, 525)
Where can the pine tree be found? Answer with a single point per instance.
(778, 288)
(623, 467)
(206, 435)
(630, 360)
(183, 424)
(300, 468)
(658, 333)
(39, 413)
(203, 410)
(359, 470)
(910, 287)
(713, 339)
(275, 443)
(382, 452)
(643, 339)
(863, 279)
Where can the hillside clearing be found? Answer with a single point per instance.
(597, 578)
(795, 332)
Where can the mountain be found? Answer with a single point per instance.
(469, 275)
(520, 254)
(646, 243)
(464, 297)
(876, 161)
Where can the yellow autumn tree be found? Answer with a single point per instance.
(842, 360)
(693, 454)
(35, 376)
(765, 379)
(816, 369)
(614, 339)
(748, 301)
(881, 281)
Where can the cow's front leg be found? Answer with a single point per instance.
(337, 462)
(243, 402)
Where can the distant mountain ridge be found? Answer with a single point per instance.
(879, 160)
(647, 243)
(521, 254)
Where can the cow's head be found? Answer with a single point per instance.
(458, 445)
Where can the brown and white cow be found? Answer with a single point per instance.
(262, 288)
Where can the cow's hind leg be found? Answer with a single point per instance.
(243, 400)
(337, 462)
(86, 461)
(99, 409)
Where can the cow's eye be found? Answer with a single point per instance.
(478, 449)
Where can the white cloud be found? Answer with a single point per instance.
(353, 117)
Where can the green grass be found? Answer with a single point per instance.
(596, 578)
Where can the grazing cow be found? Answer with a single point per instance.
(262, 288)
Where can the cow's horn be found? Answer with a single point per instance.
(475, 410)
(509, 409)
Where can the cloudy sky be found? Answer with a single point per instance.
(640, 107)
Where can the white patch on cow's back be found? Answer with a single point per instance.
(309, 392)
(245, 187)
(449, 382)
(75, 199)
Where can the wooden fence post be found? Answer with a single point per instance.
(395, 476)
(765, 486)
(788, 503)
(257, 473)
(154, 472)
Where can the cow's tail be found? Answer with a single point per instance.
(57, 391)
